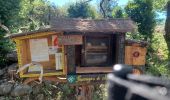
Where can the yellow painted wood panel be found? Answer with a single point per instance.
(130, 59)
(23, 51)
(142, 54)
(128, 55)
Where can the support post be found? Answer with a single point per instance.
(84, 92)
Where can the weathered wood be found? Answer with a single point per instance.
(128, 57)
(142, 54)
(120, 48)
(84, 92)
(94, 69)
(96, 50)
(70, 40)
(26, 54)
(71, 65)
(129, 42)
(65, 61)
(48, 66)
(135, 55)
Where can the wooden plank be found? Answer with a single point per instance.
(26, 56)
(46, 64)
(45, 74)
(96, 50)
(135, 55)
(65, 61)
(128, 55)
(94, 69)
(71, 65)
(70, 40)
(139, 60)
(90, 78)
(121, 48)
(85, 92)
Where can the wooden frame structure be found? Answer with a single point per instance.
(87, 47)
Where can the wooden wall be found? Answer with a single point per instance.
(26, 54)
(131, 58)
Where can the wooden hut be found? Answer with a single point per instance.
(77, 49)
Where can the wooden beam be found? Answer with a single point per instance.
(94, 69)
(71, 67)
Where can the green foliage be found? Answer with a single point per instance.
(167, 24)
(157, 60)
(141, 11)
(58, 91)
(118, 12)
(8, 12)
(100, 92)
(106, 7)
(34, 14)
(159, 5)
(134, 36)
(81, 10)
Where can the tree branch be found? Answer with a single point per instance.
(4, 27)
(101, 7)
(87, 1)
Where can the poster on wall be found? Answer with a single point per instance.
(39, 49)
(58, 60)
(52, 50)
(55, 41)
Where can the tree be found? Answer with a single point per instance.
(118, 12)
(34, 14)
(159, 5)
(106, 7)
(81, 10)
(8, 12)
(141, 11)
(167, 29)
(162, 6)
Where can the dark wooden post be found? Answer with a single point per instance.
(121, 48)
(71, 70)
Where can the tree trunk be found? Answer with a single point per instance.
(102, 9)
(167, 29)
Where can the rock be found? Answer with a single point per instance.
(2, 98)
(21, 90)
(26, 97)
(12, 68)
(2, 81)
(47, 82)
(5, 88)
(1, 72)
(36, 89)
(12, 56)
(40, 97)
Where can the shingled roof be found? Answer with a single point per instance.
(86, 25)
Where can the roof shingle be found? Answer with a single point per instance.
(86, 25)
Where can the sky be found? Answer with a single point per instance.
(120, 2)
(63, 2)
